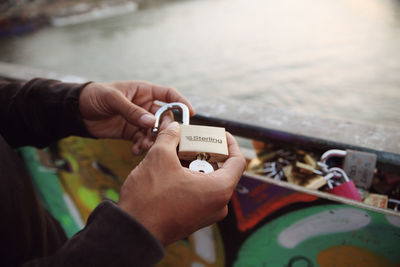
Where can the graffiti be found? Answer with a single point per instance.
(300, 261)
(351, 256)
(326, 222)
(204, 248)
(98, 169)
(268, 225)
(204, 244)
(317, 233)
(393, 220)
(255, 200)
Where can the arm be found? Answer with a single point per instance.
(110, 238)
(160, 202)
(39, 112)
(42, 111)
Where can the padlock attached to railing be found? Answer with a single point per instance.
(346, 189)
(359, 165)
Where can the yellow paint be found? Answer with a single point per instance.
(86, 185)
(91, 198)
(112, 194)
(351, 256)
(73, 163)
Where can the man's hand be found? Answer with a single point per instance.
(125, 110)
(172, 201)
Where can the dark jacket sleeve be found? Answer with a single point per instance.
(110, 238)
(39, 112)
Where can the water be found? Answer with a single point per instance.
(335, 58)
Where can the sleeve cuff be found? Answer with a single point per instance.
(132, 239)
(110, 238)
(43, 111)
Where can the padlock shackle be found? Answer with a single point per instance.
(335, 172)
(333, 153)
(396, 203)
(330, 154)
(341, 171)
(327, 178)
(169, 106)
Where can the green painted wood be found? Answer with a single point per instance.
(49, 189)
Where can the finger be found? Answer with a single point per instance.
(169, 137)
(167, 120)
(131, 112)
(142, 143)
(235, 165)
(138, 137)
(136, 151)
(146, 143)
(168, 95)
(154, 107)
(137, 143)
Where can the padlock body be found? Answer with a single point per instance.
(360, 166)
(347, 190)
(196, 139)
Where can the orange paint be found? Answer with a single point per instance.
(351, 256)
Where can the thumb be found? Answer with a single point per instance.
(132, 113)
(169, 137)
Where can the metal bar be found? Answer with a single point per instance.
(265, 123)
(385, 160)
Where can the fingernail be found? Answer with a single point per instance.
(173, 125)
(148, 119)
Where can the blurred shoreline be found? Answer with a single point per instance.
(22, 18)
(334, 58)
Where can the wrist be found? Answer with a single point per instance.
(84, 99)
(145, 221)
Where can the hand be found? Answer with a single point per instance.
(125, 110)
(172, 201)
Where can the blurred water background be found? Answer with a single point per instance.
(334, 58)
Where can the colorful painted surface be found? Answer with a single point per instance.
(254, 200)
(204, 248)
(332, 235)
(267, 226)
(49, 189)
(96, 169)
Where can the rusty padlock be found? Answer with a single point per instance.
(346, 189)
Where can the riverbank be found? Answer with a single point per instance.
(197, 47)
(28, 17)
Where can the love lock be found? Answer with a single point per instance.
(346, 189)
(359, 165)
(199, 144)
